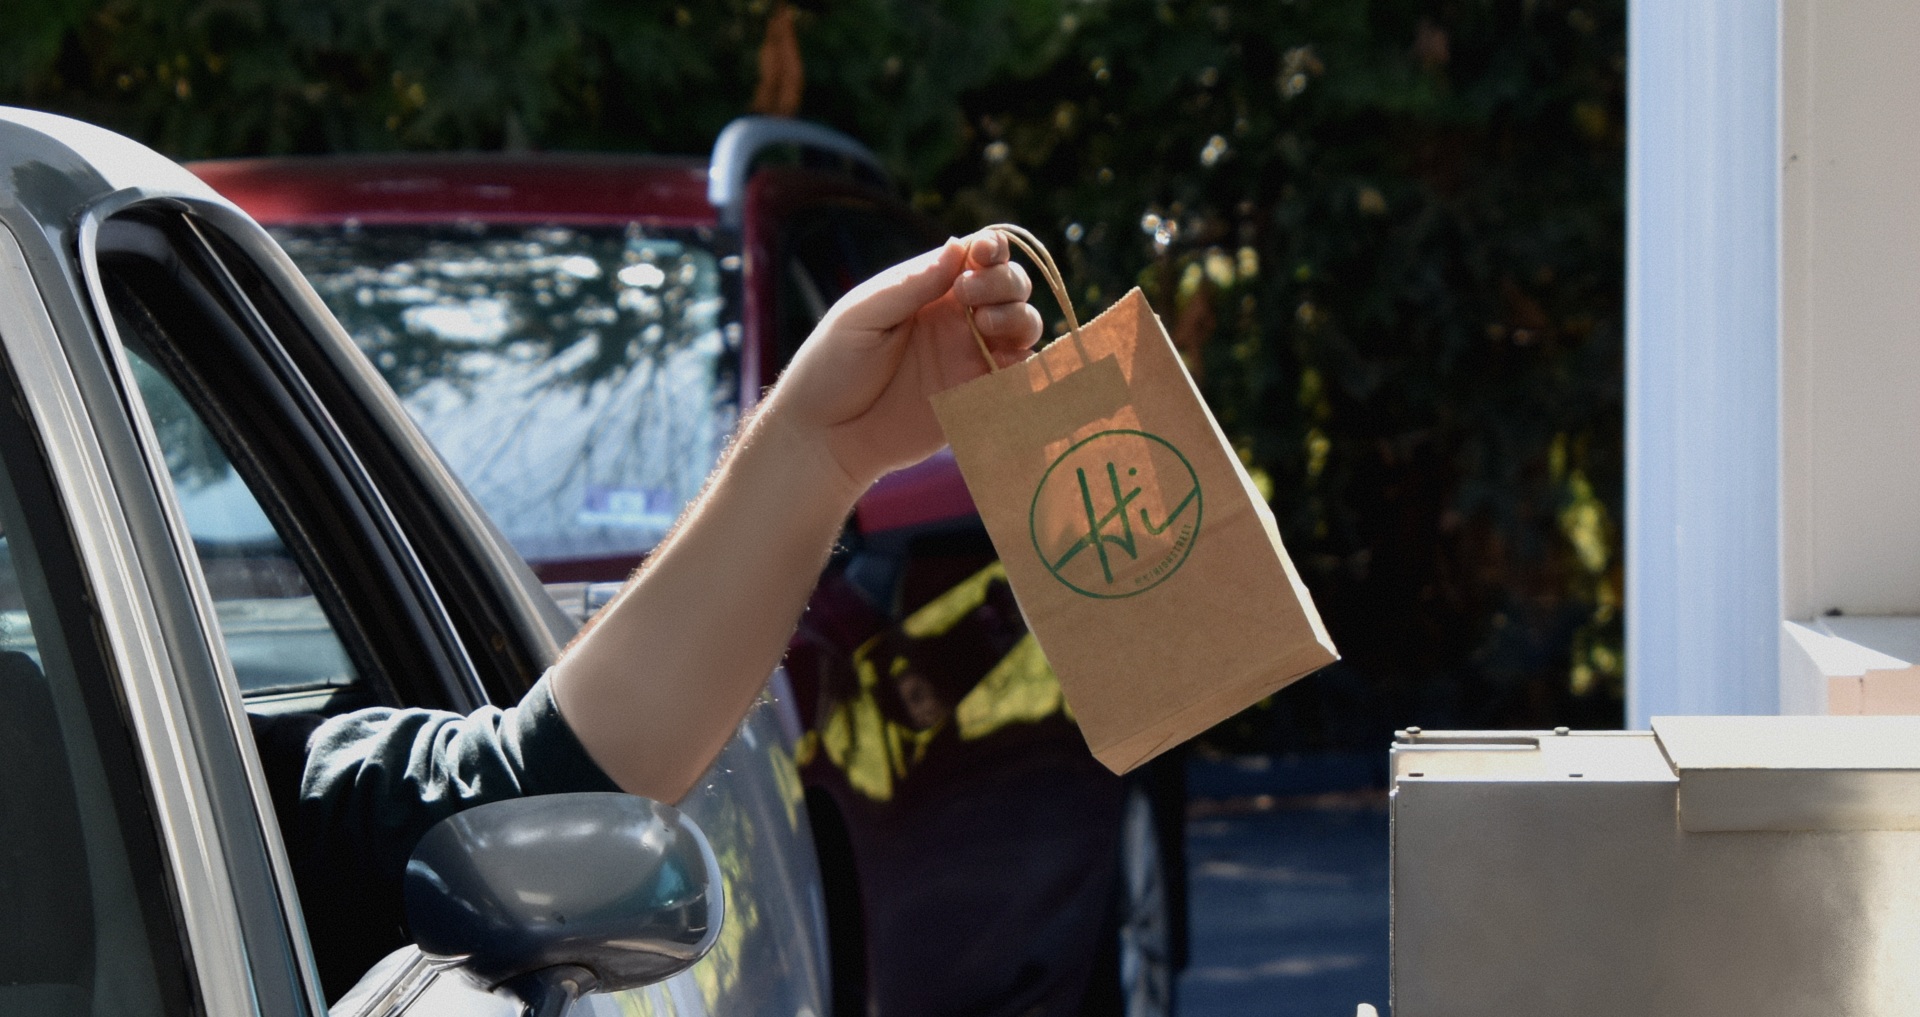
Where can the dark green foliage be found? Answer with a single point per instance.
(1389, 238)
(224, 77)
(201, 78)
(1387, 235)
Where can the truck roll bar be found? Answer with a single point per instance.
(734, 150)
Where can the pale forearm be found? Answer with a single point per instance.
(656, 687)
(659, 685)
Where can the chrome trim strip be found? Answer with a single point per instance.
(391, 987)
(181, 798)
(232, 703)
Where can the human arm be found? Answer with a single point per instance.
(656, 686)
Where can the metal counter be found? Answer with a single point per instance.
(1715, 866)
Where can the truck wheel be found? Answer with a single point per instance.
(1145, 934)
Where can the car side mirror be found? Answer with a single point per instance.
(555, 896)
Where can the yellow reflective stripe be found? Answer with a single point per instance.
(867, 763)
(873, 751)
(863, 667)
(836, 735)
(942, 613)
(1021, 688)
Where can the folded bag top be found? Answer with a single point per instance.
(1147, 564)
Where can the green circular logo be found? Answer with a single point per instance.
(1116, 514)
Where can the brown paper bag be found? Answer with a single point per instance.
(1148, 566)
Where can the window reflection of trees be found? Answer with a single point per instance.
(579, 381)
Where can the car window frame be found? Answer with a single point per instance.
(511, 628)
(456, 675)
(385, 608)
(518, 623)
(177, 735)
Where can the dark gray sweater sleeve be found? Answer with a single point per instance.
(376, 780)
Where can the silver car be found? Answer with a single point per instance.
(214, 512)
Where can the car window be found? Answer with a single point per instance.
(580, 380)
(320, 597)
(285, 652)
(86, 926)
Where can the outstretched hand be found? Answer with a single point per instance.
(862, 380)
(656, 686)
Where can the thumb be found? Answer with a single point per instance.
(900, 292)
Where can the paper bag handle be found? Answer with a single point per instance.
(1049, 271)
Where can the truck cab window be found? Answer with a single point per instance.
(830, 250)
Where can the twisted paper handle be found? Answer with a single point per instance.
(1049, 271)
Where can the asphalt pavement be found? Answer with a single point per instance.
(1287, 869)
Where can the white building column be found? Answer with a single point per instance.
(1703, 510)
(1850, 348)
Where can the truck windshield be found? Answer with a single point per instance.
(581, 381)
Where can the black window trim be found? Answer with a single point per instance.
(288, 448)
(511, 626)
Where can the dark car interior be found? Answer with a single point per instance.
(86, 924)
(44, 939)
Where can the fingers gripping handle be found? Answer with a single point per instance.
(1043, 261)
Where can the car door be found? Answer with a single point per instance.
(137, 874)
(768, 960)
(318, 605)
(312, 556)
